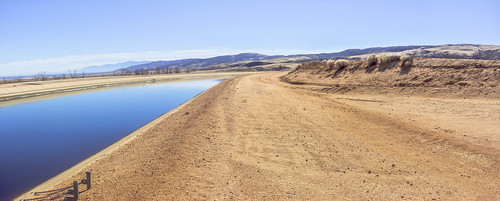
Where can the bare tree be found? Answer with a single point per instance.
(72, 74)
(125, 72)
(42, 76)
(177, 70)
(142, 71)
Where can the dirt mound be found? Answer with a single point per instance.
(424, 72)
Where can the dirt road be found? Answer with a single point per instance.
(257, 138)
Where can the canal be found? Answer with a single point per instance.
(40, 139)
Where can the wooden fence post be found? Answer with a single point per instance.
(88, 179)
(75, 190)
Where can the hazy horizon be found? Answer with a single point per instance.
(58, 36)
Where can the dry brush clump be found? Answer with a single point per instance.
(384, 59)
(356, 64)
(394, 58)
(371, 60)
(330, 63)
(341, 63)
(406, 61)
(310, 66)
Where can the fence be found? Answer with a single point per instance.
(63, 192)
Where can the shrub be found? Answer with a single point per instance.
(341, 63)
(384, 59)
(356, 64)
(406, 61)
(330, 63)
(371, 60)
(394, 58)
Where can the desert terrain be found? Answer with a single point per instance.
(306, 135)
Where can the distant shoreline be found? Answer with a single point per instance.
(22, 92)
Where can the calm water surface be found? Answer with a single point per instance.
(40, 139)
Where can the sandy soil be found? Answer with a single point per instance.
(256, 137)
(476, 120)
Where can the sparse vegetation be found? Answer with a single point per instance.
(330, 63)
(125, 72)
(282, 67)
(460, 73)
(141, 71)
(41, 76)
(385, 59)
(406, 61)
(341, 63)
(371, 60)
(356, 64)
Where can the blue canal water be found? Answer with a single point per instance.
(40, 139)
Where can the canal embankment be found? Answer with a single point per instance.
(86, 117)
(256, 138)
(9, 93)
(43, 187)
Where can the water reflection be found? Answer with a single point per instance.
(40, 139)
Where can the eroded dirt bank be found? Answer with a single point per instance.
(256, 137)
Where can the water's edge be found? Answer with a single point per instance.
(32, 94)
(104, 152)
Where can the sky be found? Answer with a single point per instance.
(56, 36)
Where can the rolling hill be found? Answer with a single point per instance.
(259, 62)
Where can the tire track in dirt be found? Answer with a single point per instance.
(255, 137)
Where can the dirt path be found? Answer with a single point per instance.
(473, 120)
(255, 137)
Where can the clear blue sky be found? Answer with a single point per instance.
(54, 36)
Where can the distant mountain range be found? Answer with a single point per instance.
(198, 63)
(248, 60)
(111, 67)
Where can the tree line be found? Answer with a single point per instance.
(43, 76)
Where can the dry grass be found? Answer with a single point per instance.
(406, 61)
(371, 60)
(385, 59)
(341, 63)
(330, 63)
